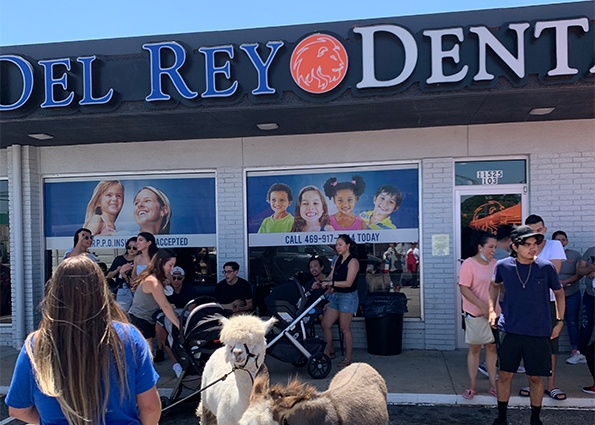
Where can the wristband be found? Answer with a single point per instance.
(333, 284)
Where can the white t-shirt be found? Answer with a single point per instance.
(552, 250)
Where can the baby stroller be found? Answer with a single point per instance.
(289, 340)
(199, 321)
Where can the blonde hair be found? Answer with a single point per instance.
(100, 189)
(76, 341)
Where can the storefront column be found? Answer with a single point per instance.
(230, 221)
(438, 272)
(27, 253)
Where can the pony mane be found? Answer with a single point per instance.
(296, 391)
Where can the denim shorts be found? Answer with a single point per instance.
(344, 302)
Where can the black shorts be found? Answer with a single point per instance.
(534, 350)
(146, 328)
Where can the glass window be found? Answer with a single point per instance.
(490, 172)
(5, 285)
(294, 215)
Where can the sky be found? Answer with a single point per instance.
(49, 21)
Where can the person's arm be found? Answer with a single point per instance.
(78, 248)
(149, 407)
(94, 225)
(114, 269)
(585, 268)
(241, 305)
(494, 292)
(29, 415)
(557, 264)
(472, 298)
(560, 309)
(153, 286)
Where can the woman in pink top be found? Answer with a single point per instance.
(474, 281)
(345, 195)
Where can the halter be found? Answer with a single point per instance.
(248, 357)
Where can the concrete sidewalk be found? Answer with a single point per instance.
(413, 377)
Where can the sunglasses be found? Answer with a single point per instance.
(87, 237)
(131, 248)
(177, 277)
(228, 271)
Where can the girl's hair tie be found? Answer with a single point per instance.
(334, 184)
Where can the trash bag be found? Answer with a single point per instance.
(382, 304)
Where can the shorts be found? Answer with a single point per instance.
(146, 328)
(534, 350)
(344, 302)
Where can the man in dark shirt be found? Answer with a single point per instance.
(233, 292)
(524, 326)
(314, 287)
(183, 294)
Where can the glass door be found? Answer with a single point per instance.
(484, 208)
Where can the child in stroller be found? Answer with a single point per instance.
(289, 341)
(200, 324)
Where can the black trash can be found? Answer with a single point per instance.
(384, 322)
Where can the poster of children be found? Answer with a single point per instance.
(179, 210)
(314, 206)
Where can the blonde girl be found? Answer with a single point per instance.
(85, 364)
(104, 207)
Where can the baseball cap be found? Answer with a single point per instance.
(522, 233)
(179, 270)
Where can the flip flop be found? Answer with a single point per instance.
(525, 392)
(344, 363)
(468, 394)
(556, 394)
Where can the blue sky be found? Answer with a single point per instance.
(43, 21)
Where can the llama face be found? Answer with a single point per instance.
(244, 340)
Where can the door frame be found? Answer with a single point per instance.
(503, 189)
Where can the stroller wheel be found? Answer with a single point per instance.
(319, 365)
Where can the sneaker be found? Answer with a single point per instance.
(576, 357)
(589, 390)
(483, 369)
(177, 369)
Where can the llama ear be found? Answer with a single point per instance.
(269, 324)
(260, 388)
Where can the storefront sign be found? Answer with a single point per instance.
(178, 210)
(313, 207)
(321, 66)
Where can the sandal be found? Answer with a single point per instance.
(468, 394)
(525, 392)
(493, 391)
(344, 363)
(556, 394)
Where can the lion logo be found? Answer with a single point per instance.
(318, 63)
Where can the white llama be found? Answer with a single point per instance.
(356, 395)
(243, 352)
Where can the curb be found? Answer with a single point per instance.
(484, 400)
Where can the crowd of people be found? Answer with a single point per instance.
(119, 341)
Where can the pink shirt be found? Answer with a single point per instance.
(477, 277)
(357, 224)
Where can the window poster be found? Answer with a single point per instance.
(178, 210)
(312, 207)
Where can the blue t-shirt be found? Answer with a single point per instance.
(526, 311)
(24, 392)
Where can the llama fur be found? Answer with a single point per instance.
(226, 401)
(356, 395)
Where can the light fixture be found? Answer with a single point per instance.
(541, 111)
(40, 136)
(267, 126)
